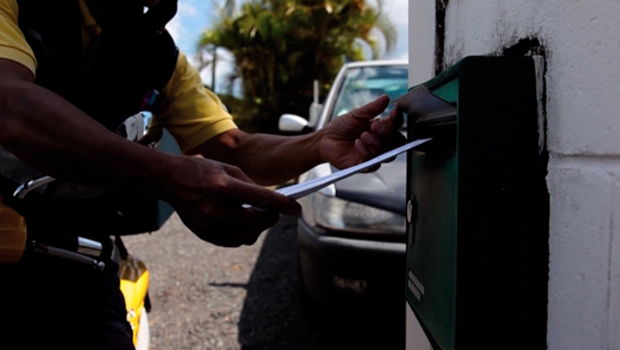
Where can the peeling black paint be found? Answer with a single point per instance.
(440, 34)
(533, 47)
(525, 47)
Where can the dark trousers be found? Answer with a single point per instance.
(51, 303)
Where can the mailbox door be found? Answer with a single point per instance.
(477, 251)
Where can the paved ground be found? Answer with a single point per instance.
(206, 297)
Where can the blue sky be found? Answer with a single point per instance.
(193, 16)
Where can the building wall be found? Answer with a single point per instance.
(581, 43)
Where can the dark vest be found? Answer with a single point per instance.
(133, 56)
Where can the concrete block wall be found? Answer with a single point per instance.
(581, 43)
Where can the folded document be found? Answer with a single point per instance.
(305, 188)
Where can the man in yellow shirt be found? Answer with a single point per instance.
(49, 133)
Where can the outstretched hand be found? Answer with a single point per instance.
(209, 197)
(358, 136)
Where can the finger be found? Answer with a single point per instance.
(233, 226)
(391, 159)
(263, 198)
(377, 146)
(362, 150)
(236, 172)
(246, 191)
(399, 117)
(380, 143)
(397, 139)
(249, 224)
(389, 125)
(372, 169)
(371, 109)
(371, 142)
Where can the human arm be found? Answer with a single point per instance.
(197, 119)
(346, 141)
(53, 136)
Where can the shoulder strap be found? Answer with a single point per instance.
(135, 55)
(53, 31)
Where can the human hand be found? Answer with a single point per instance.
(358, 136)
(209, 197)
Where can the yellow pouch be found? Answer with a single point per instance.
(134, 285)
(12, 234)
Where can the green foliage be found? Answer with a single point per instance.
(282, 46)
(245, 112)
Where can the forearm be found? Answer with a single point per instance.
(53, 136)
(61, 141)
(344, 142)
(267, 159)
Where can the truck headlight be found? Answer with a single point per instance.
(336, 214)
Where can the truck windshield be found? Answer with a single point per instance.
(364, 84)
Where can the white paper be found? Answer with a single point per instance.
(305, 188)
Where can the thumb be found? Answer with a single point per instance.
(371, 109)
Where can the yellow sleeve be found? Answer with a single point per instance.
(189, 111)
(13, 45)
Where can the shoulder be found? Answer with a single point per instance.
(185, 79)
(13, 45)
(9, 10)
(184, 68)
(190, 112)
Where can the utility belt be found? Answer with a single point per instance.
(16, 241)
(34, 236)
(74, 229)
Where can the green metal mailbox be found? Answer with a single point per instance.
(477, 251)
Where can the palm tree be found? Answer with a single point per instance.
(281, 46)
